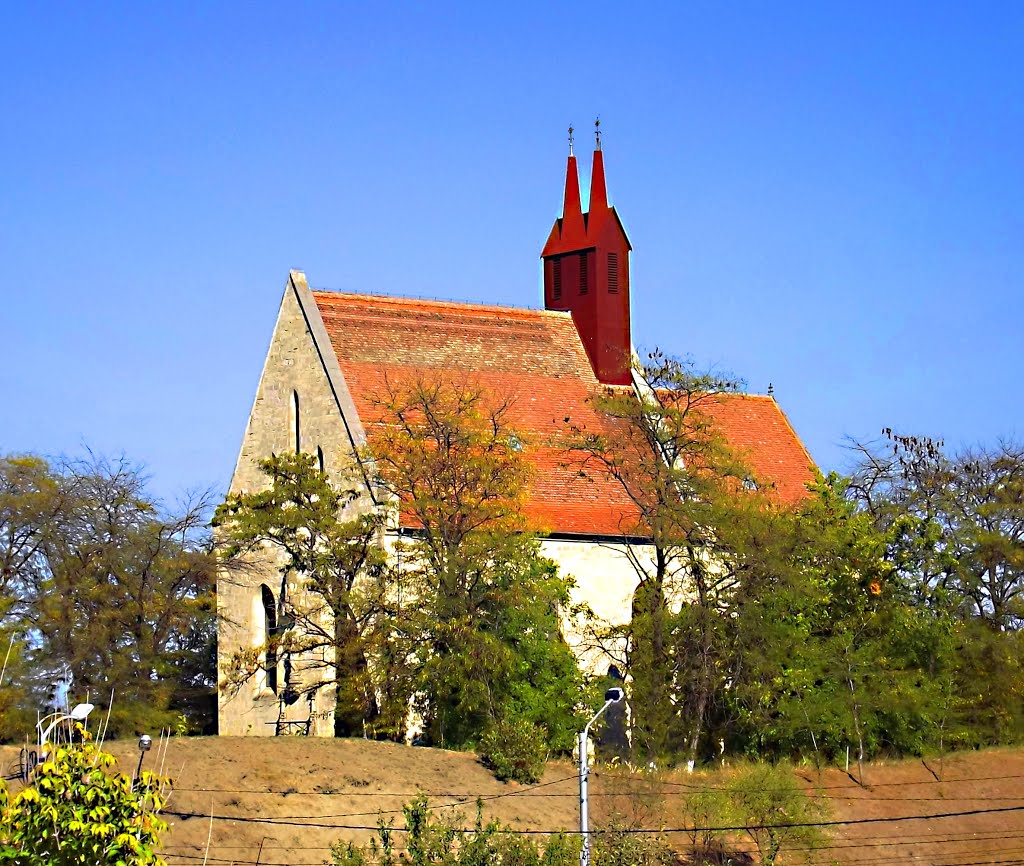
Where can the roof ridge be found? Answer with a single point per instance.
(401, 300)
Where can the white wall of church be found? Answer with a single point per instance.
(605, 581)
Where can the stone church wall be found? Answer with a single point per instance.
(293, 367)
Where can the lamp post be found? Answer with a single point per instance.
(612, 696)
(145, 744)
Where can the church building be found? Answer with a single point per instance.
(331, 353)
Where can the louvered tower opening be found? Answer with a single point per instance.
(613, 273)
(556, 280)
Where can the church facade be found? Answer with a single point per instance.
(331, 353)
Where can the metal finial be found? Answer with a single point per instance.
(570, 139)
(771, 390)
(597, 131)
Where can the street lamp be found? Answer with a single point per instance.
(145, 744)
(612, 696)
(46, 725)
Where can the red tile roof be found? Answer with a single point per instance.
(536, 357)
(760, 432)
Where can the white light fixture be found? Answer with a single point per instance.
(80, 712)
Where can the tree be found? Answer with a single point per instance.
(105, 590)
(76, 811)
(959, 517)
(829, 649)
(662, 447)
(480, 606)
(330, 545)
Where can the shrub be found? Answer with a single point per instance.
(75, 812)
(778, 814)
(431, 841)
(617, 846)
(515, 750)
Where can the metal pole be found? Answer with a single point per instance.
(612, 696)
(584, 802)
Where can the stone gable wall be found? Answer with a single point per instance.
(292, 365)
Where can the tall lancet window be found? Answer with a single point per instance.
(320, 458)
(270, 633)
(296, 428)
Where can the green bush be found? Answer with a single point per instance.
(515, 750)
(75, 811)
(431, 841)
(779, 815)
(617, 846)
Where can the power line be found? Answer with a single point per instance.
(701, 787)
(969, 838)
(626, 831)
(639, 787)
(860, 861)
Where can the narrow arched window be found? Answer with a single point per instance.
(296, 428)
(320, 458)
(270, 631)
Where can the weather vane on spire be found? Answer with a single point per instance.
(597, 131)
(570, 139)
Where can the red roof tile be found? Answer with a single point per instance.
(535, 357)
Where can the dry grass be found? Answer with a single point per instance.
(295, 796)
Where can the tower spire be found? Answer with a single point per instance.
(573, 228)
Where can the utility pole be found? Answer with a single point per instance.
(612, 696)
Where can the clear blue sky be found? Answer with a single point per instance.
(828, 196)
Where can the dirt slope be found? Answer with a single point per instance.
(295, 796)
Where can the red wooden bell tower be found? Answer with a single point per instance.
(586, 271)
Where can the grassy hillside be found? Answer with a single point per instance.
(294, 796)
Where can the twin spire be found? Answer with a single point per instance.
(586, 271)
(575, 226)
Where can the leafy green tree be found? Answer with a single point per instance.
(661, 446)
(955, 520)
(106, 590)
(830, 650)
(985, 694)
(479, 618)
(76, 811)
(959, 518)
(329, 544)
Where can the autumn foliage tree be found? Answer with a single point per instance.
(422, 588)
(479, 625)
